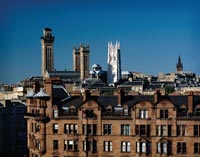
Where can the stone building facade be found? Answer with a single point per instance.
(81, 60)
(90, 124)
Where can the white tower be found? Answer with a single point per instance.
(114, 63)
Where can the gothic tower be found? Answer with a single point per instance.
(81, 60)
(114, 63)
(179, 65)
(47, 41)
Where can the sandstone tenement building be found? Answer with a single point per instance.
(95, 124)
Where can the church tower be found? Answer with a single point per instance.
(81, 60)
(114, 63)
(47, 41)
(179, 65)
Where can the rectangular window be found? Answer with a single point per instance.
(86, 145)
(126, 112)
(70, 128)
(55, 144)
(55, 128)
(89, 129)
(71, 145)
(163, 113)
(143, 114)
(37, 143)
(75, 128)
(125, 129)
(163, 147)
(143, 130)
(107, 129)
(107, 146)
(161, 130)
(181, 147)
(143, 147)
(125, 146)
(196, 130)
(196, 148)
(181, 130)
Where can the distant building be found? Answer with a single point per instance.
(14, 130)
(81, 58)
(47, 41)
(98, 74)
(15, 94)
(179, 65)
(114, 63)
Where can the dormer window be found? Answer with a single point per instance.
(55, 113)
(197, 113)
(118, 110)
(89, 113)
(126, 112)
(163, 113)
(72, 111)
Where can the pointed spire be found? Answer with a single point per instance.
(179, 65)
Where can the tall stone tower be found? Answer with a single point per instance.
(179, 65)
(47, 41)
(114, 63)
(81, 60)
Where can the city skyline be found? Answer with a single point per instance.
(151, 34)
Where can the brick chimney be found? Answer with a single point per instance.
(157, 96)
(190, 102)
(120, 96)
(36, 86)
(86, 94)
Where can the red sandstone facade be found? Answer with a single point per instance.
(109, 126)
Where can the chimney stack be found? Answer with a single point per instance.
(157, 96)
(190, 102)
(120, 95)
(86, 94)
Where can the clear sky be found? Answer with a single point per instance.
(152, 33)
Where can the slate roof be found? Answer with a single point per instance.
(179, 100)
(59, 94)
(41, 94)
(67, 76)
(129, 100)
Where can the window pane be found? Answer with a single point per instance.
(128, 146)
(164, 147)
(196, 148)
(144, 147)
(110, 145)
(158, 147)
(138, 147)
(146, 114)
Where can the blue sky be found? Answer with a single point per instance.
(152, 34)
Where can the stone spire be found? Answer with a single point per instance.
(179, 65)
